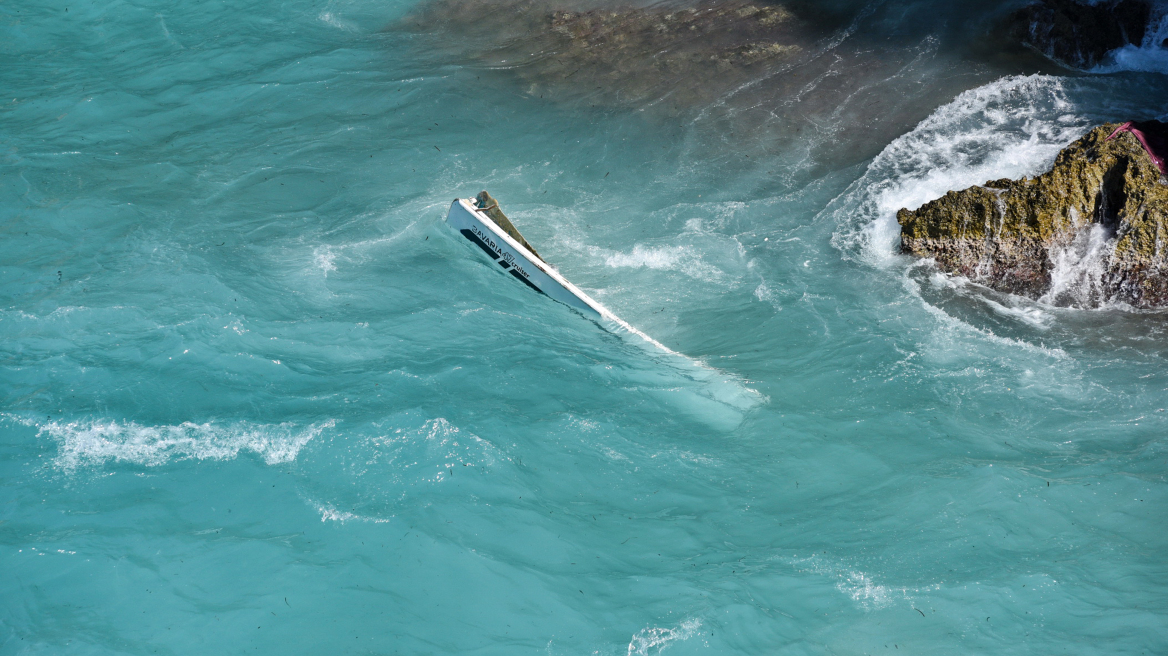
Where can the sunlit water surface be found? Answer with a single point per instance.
(257, 398)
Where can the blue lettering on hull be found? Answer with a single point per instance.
(505, 259)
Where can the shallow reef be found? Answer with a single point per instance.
(741, 79)
(627, 54)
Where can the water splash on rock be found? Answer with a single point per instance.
(1045, 237)
(1078, 269)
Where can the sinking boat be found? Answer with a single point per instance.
(482, 222)
(484, 225)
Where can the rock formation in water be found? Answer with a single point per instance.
(1092, 230)
(1079, 34)
(636, 54)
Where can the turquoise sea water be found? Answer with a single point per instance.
(257, 398)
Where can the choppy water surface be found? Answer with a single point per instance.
(258, 398)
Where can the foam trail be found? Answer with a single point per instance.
(95, 442)
(329, 513)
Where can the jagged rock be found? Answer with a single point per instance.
(1092, 230)
(1079, 34)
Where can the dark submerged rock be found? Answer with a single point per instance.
(1079, 34)
(634, 54)
(829, 81)
(1015, 235)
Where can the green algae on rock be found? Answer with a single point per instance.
(1022, 236)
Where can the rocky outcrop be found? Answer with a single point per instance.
(1079, 34)
(1092, 230)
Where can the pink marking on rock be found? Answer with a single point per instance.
(1153, 136)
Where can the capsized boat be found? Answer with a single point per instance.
(482, 222)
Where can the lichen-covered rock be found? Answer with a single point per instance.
(1080, 34)
(1092, 230)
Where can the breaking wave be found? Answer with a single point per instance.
(1007, 129)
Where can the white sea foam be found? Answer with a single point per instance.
(613, 454)
(1007, 129)
(950, 326)
(654, 258)
(685, 259)
(763, 293)
(441, 434)
(654, 640)
(863, 590)
(1032, 315)
(329, 18)
(1077, 276)
(427, 452)
(859, 586)
(700, 251)
(325, 258)
(331, 514)
(95, 442)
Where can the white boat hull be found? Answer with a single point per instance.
(473, 224)
(719, 390)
